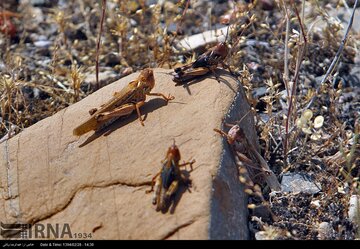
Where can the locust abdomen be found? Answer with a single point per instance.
(87, 126)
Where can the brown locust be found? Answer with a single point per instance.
(123, 103)
(204, 64)
(168, 179)
(246, 154)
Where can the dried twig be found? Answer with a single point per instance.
(286, 51)
(98, 43)
(300, 56)
(178, 26)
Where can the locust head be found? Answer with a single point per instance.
(222, 50)
(173, 154)
(233, 134)
(146, 78)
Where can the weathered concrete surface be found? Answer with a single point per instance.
(97, 183)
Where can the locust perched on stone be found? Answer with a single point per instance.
(246, 154)
(168, 179)
(204, 64)
(123, 103)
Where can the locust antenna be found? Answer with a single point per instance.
(245, 115)
(179, 145)
(230, 23)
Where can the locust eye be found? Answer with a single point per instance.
(174, 152)
(147, 73)
(222, 48)
(173, 148)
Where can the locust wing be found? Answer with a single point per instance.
(168, 174)
(124, 96)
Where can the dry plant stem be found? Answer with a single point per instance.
(303, 10)
(336, 58)
(98, 43)
(180, 22)
(232, 50)
(286, 51)
(299, 59)
(182, 16)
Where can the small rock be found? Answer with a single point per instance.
(200, 40)
(255, 43)
(354, 208)
(270, 233)
(44, 51)
(264, 117)
(261, 236)
(42, 44)
(294, 182)
(255, 67)
(315, 203)
(259, 92)
(77, 18)
(172, 27)
(104, 78)
(112, 59)
(44, 3)
(127, 71)
(325, 231)
(133, 22)
(2, 65)
(284, 95)
(35, 37)
(77, 34)
(150, 2)
(36, 92)
(267, 4)
(37, 16)
(263, 212)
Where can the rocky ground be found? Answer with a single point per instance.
(47, 63)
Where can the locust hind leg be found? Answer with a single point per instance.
(153, 181)
(222, 133)
(117, 112)
(188, 163)
(161, 199)
(156, 196)
(215, 74)
(172, 189)
(169, 97)
(121, 111)
(137, 106)
(226, 66)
